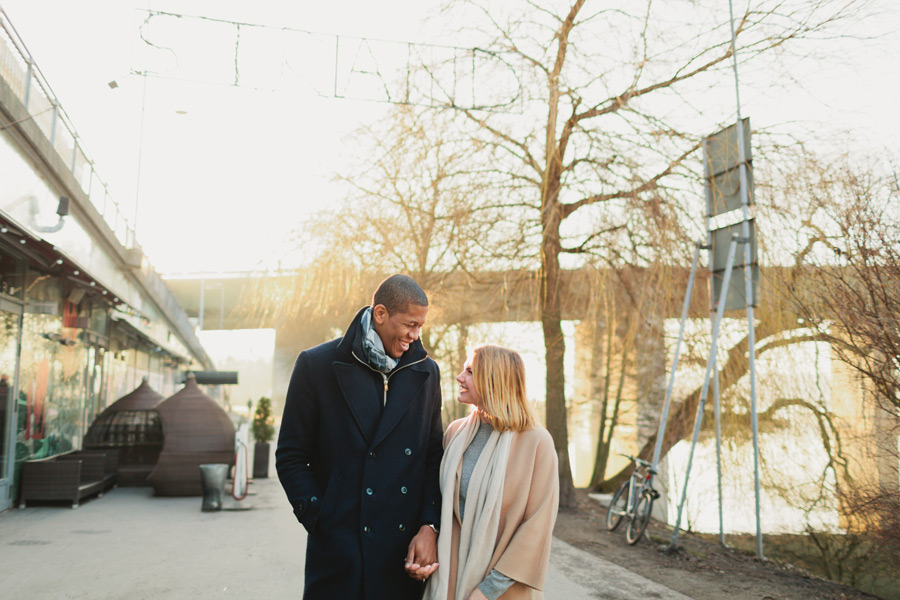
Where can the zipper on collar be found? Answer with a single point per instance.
(385, 376)
(421, 360)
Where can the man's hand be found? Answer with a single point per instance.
(421, 560)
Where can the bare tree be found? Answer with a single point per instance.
(605, 126)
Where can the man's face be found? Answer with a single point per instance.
(399, 330)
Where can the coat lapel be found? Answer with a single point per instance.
(357, 388)
(403, 389)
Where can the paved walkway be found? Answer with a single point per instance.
(129, 544)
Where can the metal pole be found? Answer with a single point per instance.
(748, 286)
(698, 420)
(684, 313)
(717, 405)
(718, 414)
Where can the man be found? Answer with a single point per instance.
(359, 452)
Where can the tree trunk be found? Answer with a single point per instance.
(650, 374)
(602, 454)
(554, 345)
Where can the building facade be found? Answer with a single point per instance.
(83, 316)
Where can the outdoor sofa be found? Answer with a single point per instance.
(71, 476)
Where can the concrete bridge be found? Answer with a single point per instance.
(306, 309)
(228, 300)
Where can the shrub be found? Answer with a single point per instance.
(263, 421)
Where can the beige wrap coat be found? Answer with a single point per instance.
(527, 515)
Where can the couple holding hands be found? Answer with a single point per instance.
(391, 501)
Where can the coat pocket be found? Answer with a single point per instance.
(329, 500)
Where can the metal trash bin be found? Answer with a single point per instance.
(212, 478)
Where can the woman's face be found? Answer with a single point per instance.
(467, 392)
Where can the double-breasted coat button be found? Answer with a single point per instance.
(372, 454)
(366, 529)
(402, 527)
(369, 491)
(403, 490)
(313, 499)
(407, 452)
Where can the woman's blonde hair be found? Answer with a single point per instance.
(499, 375)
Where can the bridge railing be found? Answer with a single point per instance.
(25, 79)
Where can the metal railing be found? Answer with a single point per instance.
(19, 71)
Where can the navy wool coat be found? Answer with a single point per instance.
(361, 474)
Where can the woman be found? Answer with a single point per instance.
(500, 488)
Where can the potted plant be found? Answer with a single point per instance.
(263, 431)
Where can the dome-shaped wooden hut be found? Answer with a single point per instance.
(132, 426)
(196, 431)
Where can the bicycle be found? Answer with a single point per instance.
(634, 500)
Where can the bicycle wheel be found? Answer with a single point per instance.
(638, 522)
(618, 506)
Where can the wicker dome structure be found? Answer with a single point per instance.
(132, 426)
(196, 431)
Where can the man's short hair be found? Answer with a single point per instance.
(397, 292)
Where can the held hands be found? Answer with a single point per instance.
(421, 560)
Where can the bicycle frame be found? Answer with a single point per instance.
(638, 485)
(635, 490)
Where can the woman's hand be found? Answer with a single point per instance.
(421, 559)
(477, 595)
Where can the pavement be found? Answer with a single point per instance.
(130, 544)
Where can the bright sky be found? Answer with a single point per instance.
(226, 173)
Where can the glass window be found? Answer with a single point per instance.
(51, 389)
(42, 292)
(99, 319)
(11, 274)
(142, 365)
(9, 339)
(121, 375)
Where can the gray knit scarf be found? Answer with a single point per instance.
(373, 347)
